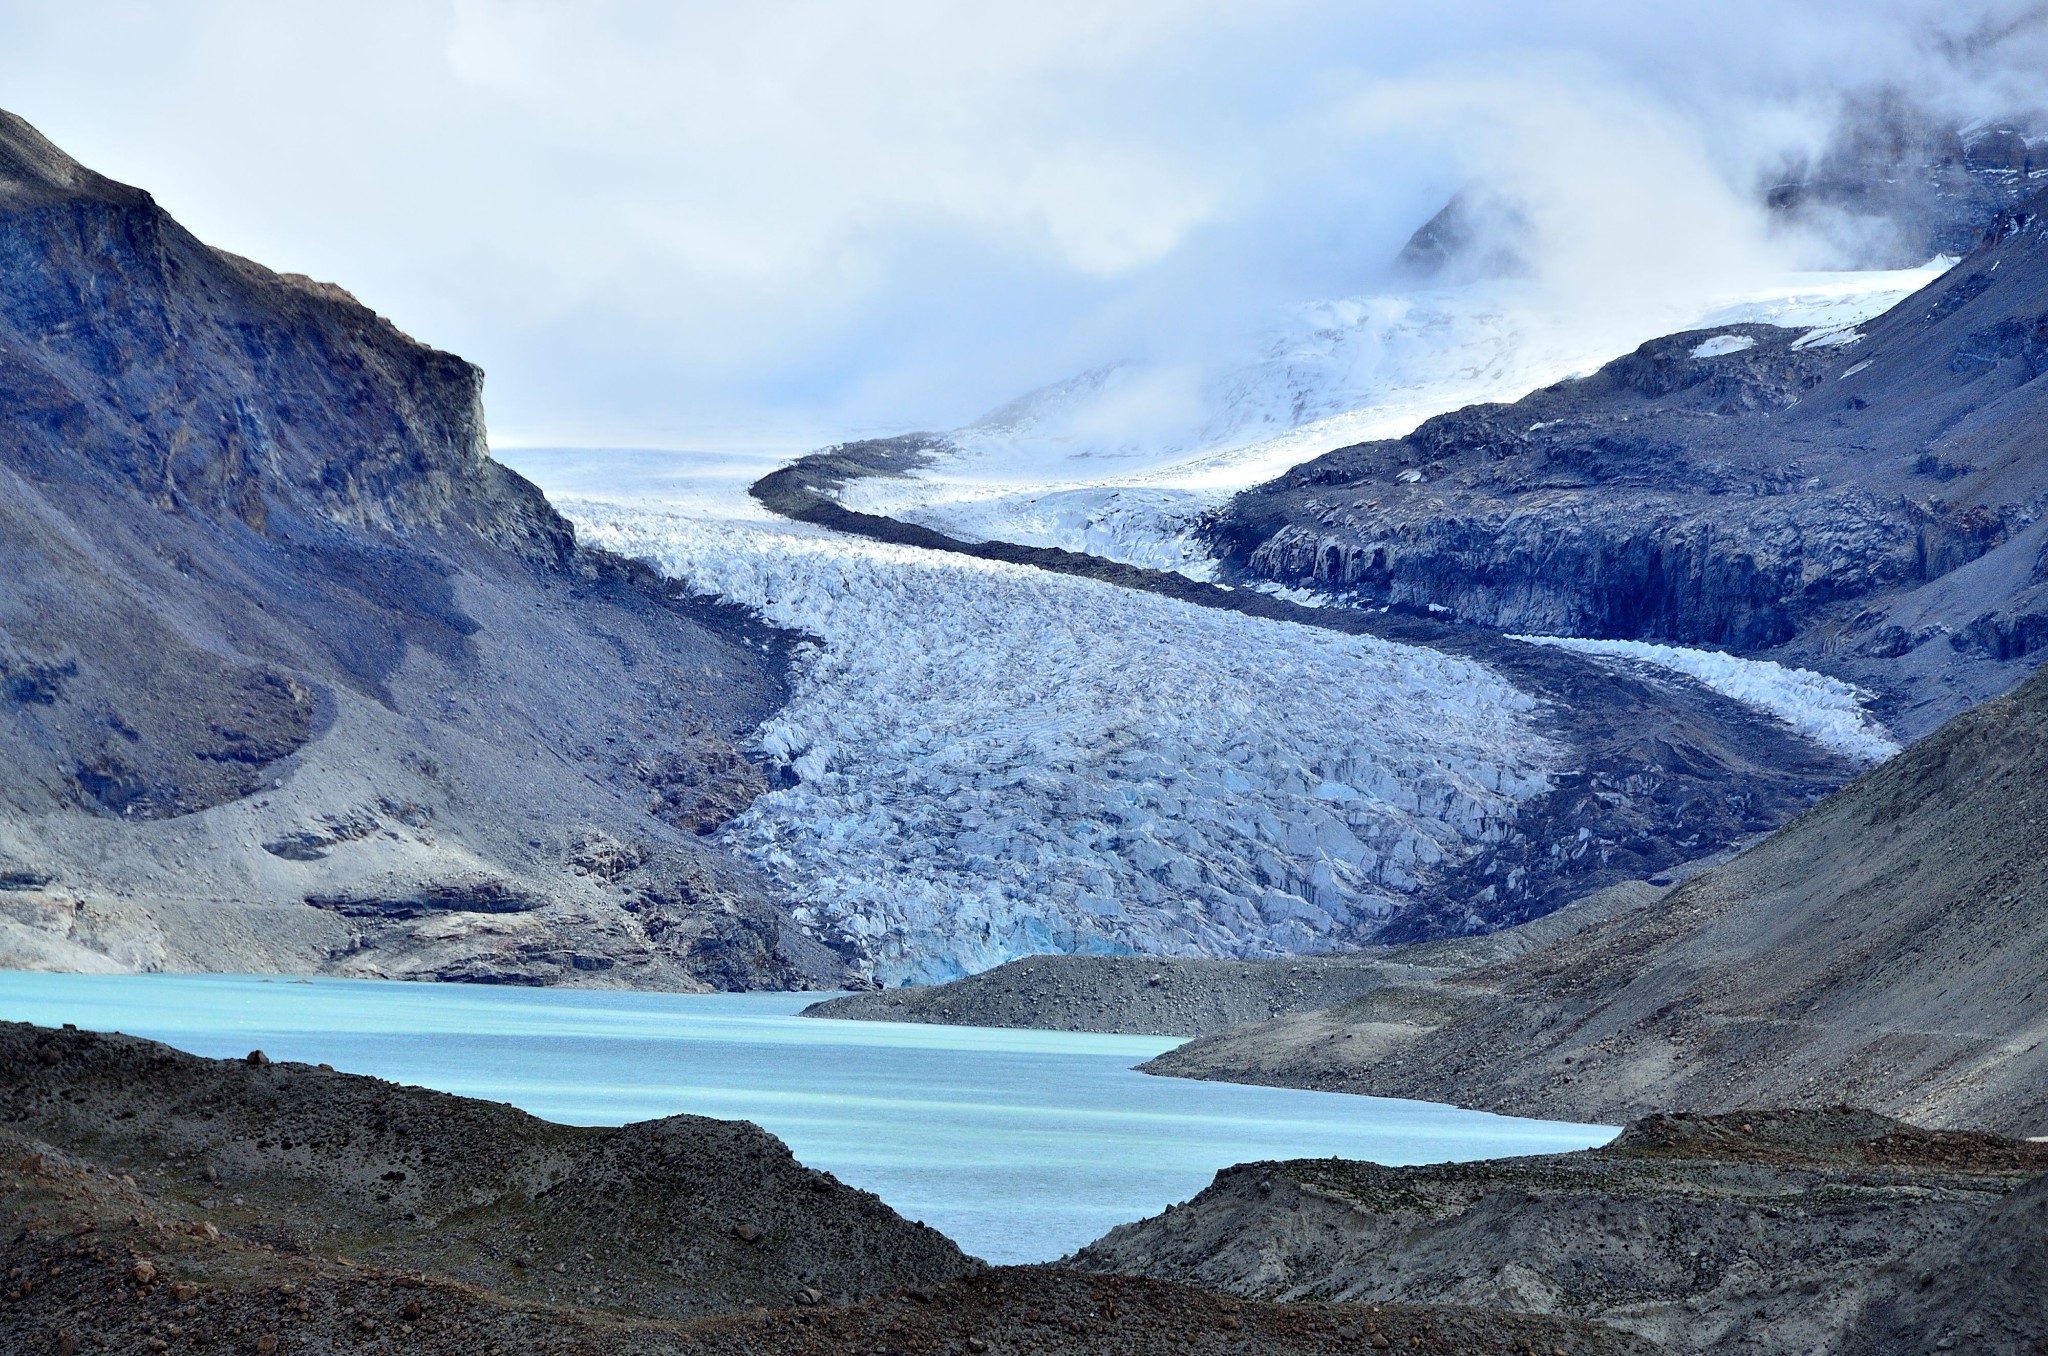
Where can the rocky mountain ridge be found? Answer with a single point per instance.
(1866, 502)
(1893, 185)
(295, 677)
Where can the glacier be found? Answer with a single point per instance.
(1826, 710)
(994, 761)
(991, 761)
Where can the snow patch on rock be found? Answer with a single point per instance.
(1826, 710)
(1721, 345)
(997, 761)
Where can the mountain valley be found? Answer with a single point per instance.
(1445, 710)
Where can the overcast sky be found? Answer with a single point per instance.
(685, 224)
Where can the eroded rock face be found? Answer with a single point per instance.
(1617, 507)
(288, 664)
(212, 385)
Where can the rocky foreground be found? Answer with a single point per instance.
(1755, 1231)
(668, 1218)
(154, 1201)
(151, 1200)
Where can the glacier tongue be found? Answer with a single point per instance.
(996, 761)
(1826, 710)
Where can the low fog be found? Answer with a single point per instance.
(775, 224)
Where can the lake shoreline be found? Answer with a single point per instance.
(1022, 1145)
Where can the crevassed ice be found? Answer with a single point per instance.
(1826, 710)
(997, 761)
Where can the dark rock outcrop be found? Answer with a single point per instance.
(275, 628)
(1870, 508)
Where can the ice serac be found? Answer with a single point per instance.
(1863, 501)
(999, 750)
(993, 761)
(293, 675)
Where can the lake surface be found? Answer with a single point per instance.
(1020, 1145)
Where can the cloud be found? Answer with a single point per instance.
(673, 222)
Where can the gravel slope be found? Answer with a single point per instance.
(1175, 996)
(1887, 948)
(1763, 1231)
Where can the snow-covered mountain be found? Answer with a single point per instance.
(1123, 460)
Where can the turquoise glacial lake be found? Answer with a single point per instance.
(1020, 1145)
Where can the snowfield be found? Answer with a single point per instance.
(996, 761)
(1826, 710)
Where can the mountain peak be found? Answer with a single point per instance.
(34, 171)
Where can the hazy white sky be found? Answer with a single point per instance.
(684, 223)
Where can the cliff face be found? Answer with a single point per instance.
(294, 676)
(138, 358)
(1869, 503)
